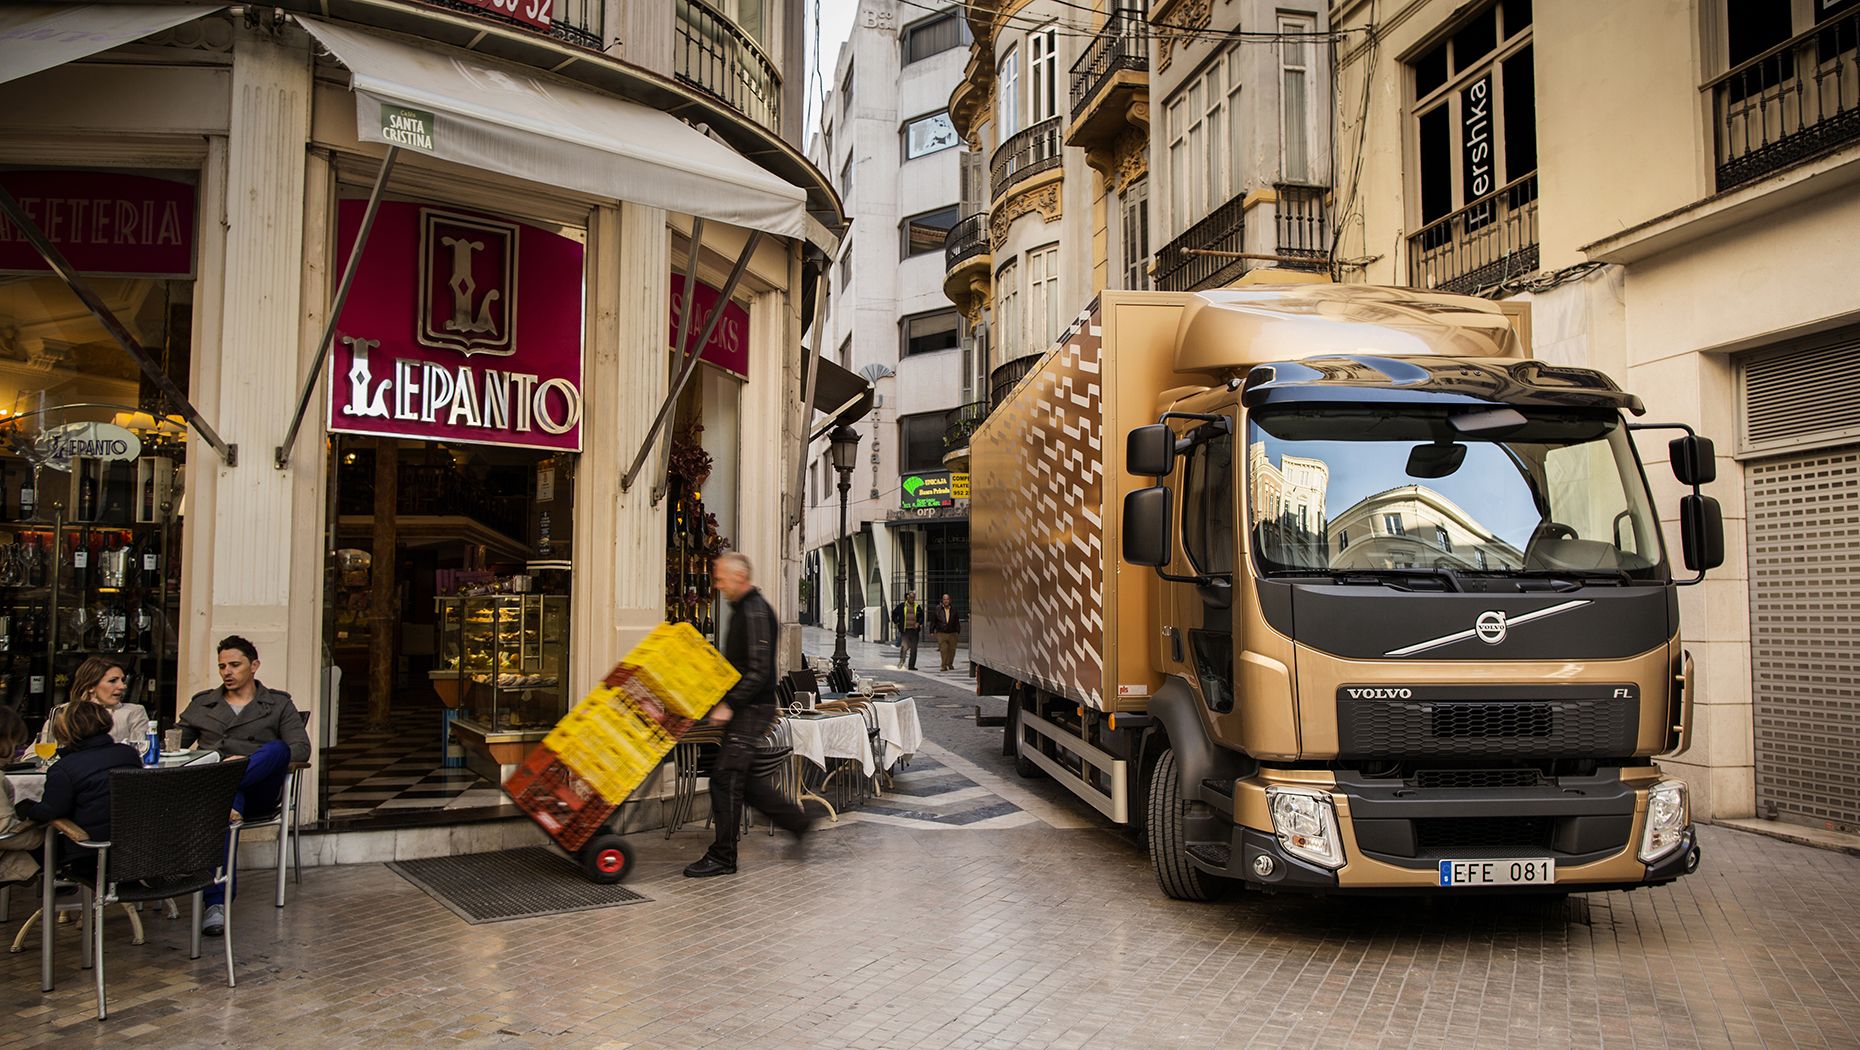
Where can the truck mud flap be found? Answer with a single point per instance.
(1115, 805)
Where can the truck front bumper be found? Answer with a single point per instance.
(1594, 833)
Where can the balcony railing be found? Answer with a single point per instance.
(1797, 100)
(572, 21)
(1303, 225)
(1002, 380)
(1181, 268)
(1487, 242)
(1025, 154)
(719, 59)
(960, 422)
(967, 239)
(1123, 43)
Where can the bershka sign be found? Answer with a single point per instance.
(105, 223)
(728, 347)
(460, 327)
(1476, 159)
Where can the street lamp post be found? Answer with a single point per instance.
(844, 443)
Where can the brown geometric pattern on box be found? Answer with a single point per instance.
(1037, 525)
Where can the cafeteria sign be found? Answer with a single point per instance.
(932, 488)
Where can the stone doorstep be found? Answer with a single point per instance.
(1821, 838)
(378, 846)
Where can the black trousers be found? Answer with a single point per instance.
(731, 783)
(907, 647)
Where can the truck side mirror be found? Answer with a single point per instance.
(1147, 537)
(1701, 530)
(1150, 450)
(1693, 460)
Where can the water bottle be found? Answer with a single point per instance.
(153, 755)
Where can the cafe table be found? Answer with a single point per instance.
(30, 784)
(818, 736)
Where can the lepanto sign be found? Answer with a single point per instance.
(460, 327)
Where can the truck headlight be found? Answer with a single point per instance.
(1668, 815)
(1306, 824)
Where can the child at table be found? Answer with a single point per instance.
(77, 787)
(19, 837)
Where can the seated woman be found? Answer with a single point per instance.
(101, 680)
(18, 836)
(77, 787)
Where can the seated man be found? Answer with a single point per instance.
(244, 717)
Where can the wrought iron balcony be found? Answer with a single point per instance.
(1798, 100)
(719, 59)
(1025, 154)
(572, 21)
(1484, 244)
(1181, 265)
(1002, 380)
(960, 422)
(1303, 222)
(966, 240)
(1123, 44)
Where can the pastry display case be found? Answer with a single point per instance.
(502, 663)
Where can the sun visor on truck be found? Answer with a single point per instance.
(1357, 378)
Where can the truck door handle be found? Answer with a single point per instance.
(1175, 643)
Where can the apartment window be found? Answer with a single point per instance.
(1295, 97)
(1013, 338)
(1136, 235)
(846, 267)
(926, 232)
(1442, 539)
(1007, 93)
(846, 353)
(750, 18)
(1042, 74)
(1343, 540)
(1202, 123)
(1043, 295)
(846, 179)
(920, 442)
(1391, 524)
(928, 333)
(1475, 110)
(935, 35)
(846, 86)
(928, 134)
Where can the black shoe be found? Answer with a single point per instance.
(707, 866)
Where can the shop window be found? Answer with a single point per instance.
(934, 35)
(1042, 74)
(929, 333)
(1043, 295)
(1475, 112)
(925, 232)
(920, 442)
(1136, 235)
(928, 134)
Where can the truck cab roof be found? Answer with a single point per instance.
(1363, 379)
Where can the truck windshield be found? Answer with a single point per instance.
(1467, 491)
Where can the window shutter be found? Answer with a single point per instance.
(1802, 396)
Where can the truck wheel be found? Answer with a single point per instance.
(1179, 879)
(1010, 726)
(606, 859)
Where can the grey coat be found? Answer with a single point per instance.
(210, 721)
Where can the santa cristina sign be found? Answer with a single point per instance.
(410, 128)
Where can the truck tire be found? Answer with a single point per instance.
(1022, 764)
(1179, 879)
(1010, 726)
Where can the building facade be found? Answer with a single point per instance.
(1673, 188)
(886, 134)
(372, 356)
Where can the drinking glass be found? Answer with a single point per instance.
(45, 750)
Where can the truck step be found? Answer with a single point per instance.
(1212, 857)
(1219, 794)
(986, 721)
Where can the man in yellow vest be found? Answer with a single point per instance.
(908, 618)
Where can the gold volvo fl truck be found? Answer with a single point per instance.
(1334, 589)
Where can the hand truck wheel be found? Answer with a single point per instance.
(606, 858)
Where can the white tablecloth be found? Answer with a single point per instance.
(31, 786)
(832, 736)
(898, 727)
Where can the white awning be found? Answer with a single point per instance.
(503, 119)
(36, 37)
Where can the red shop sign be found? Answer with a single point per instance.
(460, 327)
(538, 13)
(728, 348)
(106, 223)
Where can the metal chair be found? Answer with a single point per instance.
(693, 758)
(169, 837)
(285, 820)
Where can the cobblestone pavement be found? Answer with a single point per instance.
(1049, 932)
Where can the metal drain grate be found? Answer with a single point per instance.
(511, 884)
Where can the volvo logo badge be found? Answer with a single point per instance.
(1490, 626)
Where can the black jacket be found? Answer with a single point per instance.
(77, 787)
(938, 624)
(749, 645)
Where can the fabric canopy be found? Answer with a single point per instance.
(503, 119)
(844, 396)
(36, 37)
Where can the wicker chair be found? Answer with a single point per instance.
(169, 838)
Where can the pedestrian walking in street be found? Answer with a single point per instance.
(746, 713)
(908, 617)
(946, 624)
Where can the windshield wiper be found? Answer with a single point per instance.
(1449, 580)
(1571, 579)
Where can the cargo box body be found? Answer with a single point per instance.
(1052, 604)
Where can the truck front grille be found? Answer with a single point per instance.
(1477, 778)
(1442, 835)
(1507, 729)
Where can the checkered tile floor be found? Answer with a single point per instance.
(400, 769)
